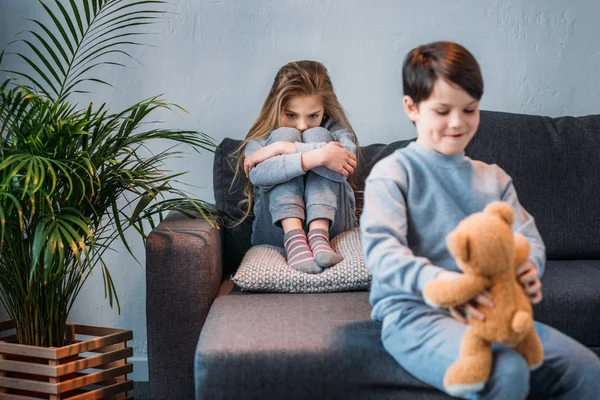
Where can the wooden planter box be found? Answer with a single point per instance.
(94, 366)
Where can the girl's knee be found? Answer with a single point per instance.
(285, 134)
(316, 134)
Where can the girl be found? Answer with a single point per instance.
(296, 159)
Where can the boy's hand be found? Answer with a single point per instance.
(262, 154)
(464, 312)
(338, 159)
(529, 277)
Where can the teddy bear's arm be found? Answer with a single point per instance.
(522, 249)
(451, 293)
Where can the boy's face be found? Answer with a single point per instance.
(302, 113)
(446, 121)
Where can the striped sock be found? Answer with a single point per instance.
(321, 248)
(299, 255)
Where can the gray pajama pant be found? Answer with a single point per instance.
(306, 197)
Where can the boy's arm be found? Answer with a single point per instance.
(384, 238)
(525, 224)
(338, 134)
(275, 170)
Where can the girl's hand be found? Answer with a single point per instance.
(337, 159)
(529, 277)
(272, 150)
(463, 312)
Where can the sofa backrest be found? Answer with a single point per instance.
(555, 166)
(554, 163)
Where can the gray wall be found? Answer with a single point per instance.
(218, 58)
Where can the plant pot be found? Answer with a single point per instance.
(92, 366)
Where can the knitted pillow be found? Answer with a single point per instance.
(264, 269)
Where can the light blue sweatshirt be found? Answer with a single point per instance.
(413, 199)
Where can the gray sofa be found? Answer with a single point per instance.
(210, 340)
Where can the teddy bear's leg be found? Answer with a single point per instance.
(472, 370)
(531, 349)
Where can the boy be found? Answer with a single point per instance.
(413, 199)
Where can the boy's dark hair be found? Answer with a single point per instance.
(450, 61)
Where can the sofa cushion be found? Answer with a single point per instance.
(265, 269)
(228, 193)
(571, 300)
(297, 346)
(555, 166)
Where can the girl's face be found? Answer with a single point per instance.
(446, 121)
(302, 113)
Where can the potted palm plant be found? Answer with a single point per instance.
(72, 181)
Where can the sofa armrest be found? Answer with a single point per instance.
(183, 275)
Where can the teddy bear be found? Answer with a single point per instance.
(488, 253)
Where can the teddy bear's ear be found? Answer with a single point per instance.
(501, 209)
(459, 245)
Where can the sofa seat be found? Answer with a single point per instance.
(571, 300)
(330, 348)
(297, 346)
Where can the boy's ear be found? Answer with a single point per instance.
(410, 108)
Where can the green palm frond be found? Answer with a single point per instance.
(73, 180)
(82, 36)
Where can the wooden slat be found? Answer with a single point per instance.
(70, 332)
(121, 378)
(53, 380)
(102, 393)
(33, 386)
(92, 344)
(93, 378)
(91, 330)
(94, 361)
(27, 367)
(109, 348)
(4, 396)
(31, 351)
(2, 373)
(111, 360)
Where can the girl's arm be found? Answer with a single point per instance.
(338, 134)
(278, 162)
(284, 167)
(274, 170)
(266, 152)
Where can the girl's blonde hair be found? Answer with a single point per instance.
(297, 78)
